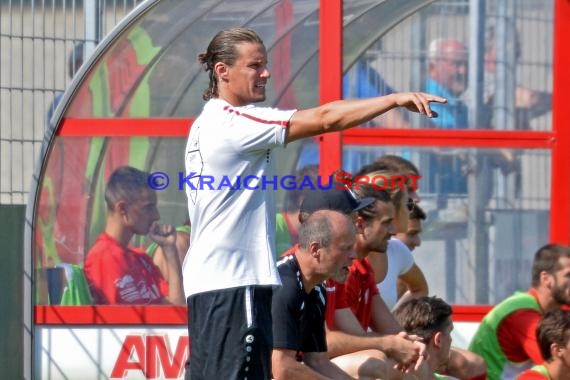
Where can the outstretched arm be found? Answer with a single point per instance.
(343, 114)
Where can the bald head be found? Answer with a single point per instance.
(448, 64)
(326, 241)
(322, 225)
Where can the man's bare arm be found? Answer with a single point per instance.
(343, 114)
(286, 367)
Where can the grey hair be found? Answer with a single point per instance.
(317, 228)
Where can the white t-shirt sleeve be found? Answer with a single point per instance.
(255, 128)
(403, 255)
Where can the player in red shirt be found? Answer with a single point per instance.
(119, 274)
(357, 351)
(553, 334)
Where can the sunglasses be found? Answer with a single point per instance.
(411, 204)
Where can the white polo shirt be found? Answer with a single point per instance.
(233, 227)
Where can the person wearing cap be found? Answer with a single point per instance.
(397, 262)
(362, 345)
(355, 307)
(396, 269)
(326, 248)
(338, 197)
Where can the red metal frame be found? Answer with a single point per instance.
(560, 189)
(449, 138)
(167, 315)
(558, 140)
(124, 127)
(331, 153)
(330, 78)
(111, 315)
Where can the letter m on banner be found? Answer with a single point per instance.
(152, 356)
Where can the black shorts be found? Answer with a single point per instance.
(231, 334)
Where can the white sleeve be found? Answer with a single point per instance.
(403, 255)
(256, 128)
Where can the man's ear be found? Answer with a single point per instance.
(546, 279)
(120, 207)
(221, 70)
(436, 339)
(359, 223)
(314, 249)
(557, 351)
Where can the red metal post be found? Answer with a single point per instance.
(330, 78)
(560, 192)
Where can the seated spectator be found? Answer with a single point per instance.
(397, 262)
(430, 319)
(396, 268)
(118, 273)
(506, 337)
(287, 223)
(326, 248)
(355, 307)
(411, 238)
(401, 166)
(553, 334)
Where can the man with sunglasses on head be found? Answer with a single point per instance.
(355, 307)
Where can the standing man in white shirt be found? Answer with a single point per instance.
(229, 271)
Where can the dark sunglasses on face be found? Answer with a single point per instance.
(411, 204)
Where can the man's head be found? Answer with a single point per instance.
(448, 59)
(375, 223)
(412, 236)
(130, 200)
(388, 177)
(551, 272)
(430, 319)
(553, 335)
(236, 61)
(404, 167)
(327, 240)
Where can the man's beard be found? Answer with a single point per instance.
(560, 295)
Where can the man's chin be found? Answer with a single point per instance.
(341, 276)
(341, 279)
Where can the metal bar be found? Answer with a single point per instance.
(456, 138)
(559, 205)
(330, 78)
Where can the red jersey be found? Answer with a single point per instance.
(517, 335)
(336, 299)
(359, 289)
(119, 275)
(356, 292)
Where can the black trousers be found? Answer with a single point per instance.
(230, 334)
